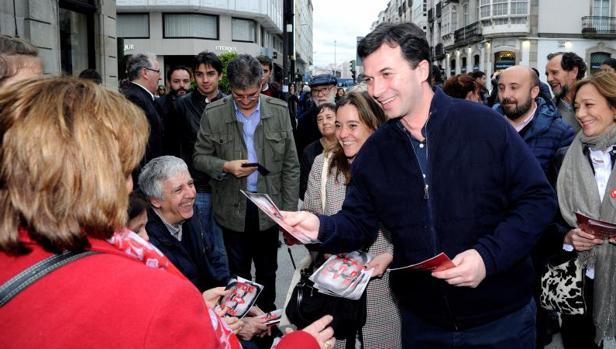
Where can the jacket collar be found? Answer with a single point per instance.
(264, 112)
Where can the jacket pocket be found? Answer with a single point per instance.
(275, 149)
(223, 144)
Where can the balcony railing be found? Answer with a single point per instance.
(469, 34)
(599, 26)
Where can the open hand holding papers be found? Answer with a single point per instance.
(343, 275)
(265, 204)
(600, 229)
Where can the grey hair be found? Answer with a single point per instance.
(244, 71)
(158, 170)
(136, 62)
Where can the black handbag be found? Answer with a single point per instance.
(307, 305)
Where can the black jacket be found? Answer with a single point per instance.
(192, 256)
(171, 123)
(143, 100)
(307, 129)
(311, 151)
(190, 108)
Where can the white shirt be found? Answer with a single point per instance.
(174, 230)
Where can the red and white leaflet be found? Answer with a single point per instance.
(437, 263)
(600, 229)
(273, 317)
(265, 204)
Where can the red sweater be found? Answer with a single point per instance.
(108, 300)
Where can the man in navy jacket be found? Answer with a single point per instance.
(442, 175)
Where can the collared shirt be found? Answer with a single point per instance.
(519, 126)
(174, 230)
(249, 125)
(146, 90)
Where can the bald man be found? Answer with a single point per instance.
(537, 121)
(540, 125)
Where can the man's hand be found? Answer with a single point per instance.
(212, 296)
(303, 221)
(252, 327)
(234, 323)
(380, 263)
(322, 332)
(581, 240)
(235, 168)
(469, 271)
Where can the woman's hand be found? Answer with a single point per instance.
(234, 323)
(380, 264)
(252, 326)
(581, 240)
(212, 296)
(322, 332)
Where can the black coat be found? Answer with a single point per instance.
(143, 100)
(192, 256)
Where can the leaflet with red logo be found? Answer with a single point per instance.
(240, 297)
(600, 229)
(437, 263)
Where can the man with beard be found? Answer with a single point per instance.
(179, 79)
(323, 90)
(208, 72)
(540, 125)
(563, 70)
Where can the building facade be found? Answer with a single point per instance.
(177, 30)
(71, 35)
(303, 38)
(491, 35)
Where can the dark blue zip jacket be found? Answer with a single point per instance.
(546, 133)
(487, 193)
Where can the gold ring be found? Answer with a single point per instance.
(328, 345)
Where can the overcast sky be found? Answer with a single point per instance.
(342, 21)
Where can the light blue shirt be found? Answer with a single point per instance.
(249, 125)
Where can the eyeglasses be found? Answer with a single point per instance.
(154, 70)
(320, 91)
(250, 97)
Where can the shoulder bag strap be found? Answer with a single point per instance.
(19, 282)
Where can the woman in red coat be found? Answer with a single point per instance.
(68, 150)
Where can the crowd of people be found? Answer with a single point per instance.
(136, 198)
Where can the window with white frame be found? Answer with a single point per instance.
(454, 18)
(499, 7)
(243, 30)
(519, 7)
(133, 25)
(189, 25)
(445, 29)
(485, 7)
(465, 14)
(601, 8)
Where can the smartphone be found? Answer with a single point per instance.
(262, 170)
(251, 164)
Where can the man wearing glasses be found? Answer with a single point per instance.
(322, 90)
(236, 133)
(144, 73)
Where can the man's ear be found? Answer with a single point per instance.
(423, 68)
(534, 92)
(155, 202)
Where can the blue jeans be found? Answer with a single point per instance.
(213, 231)
(512, 331)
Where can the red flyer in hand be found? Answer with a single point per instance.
(437, 263)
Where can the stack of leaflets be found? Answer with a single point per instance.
(437, 263)
(240, 297)
(600, 229)
(265, 204)
(343, 275)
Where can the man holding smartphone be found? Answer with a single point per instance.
(246, 142)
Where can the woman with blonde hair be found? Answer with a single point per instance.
(68, 149)
(587, 183)
(357, 117)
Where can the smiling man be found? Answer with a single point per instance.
(562, 71)
(237, 132)
(172, 225)
(442, 175)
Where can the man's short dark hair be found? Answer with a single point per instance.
(610, 62)
(178, 67)
(477, 74)
(569, 61)
(91, 74)
(207, 58)
(244, 71)
(265, 60)
(410, 38)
